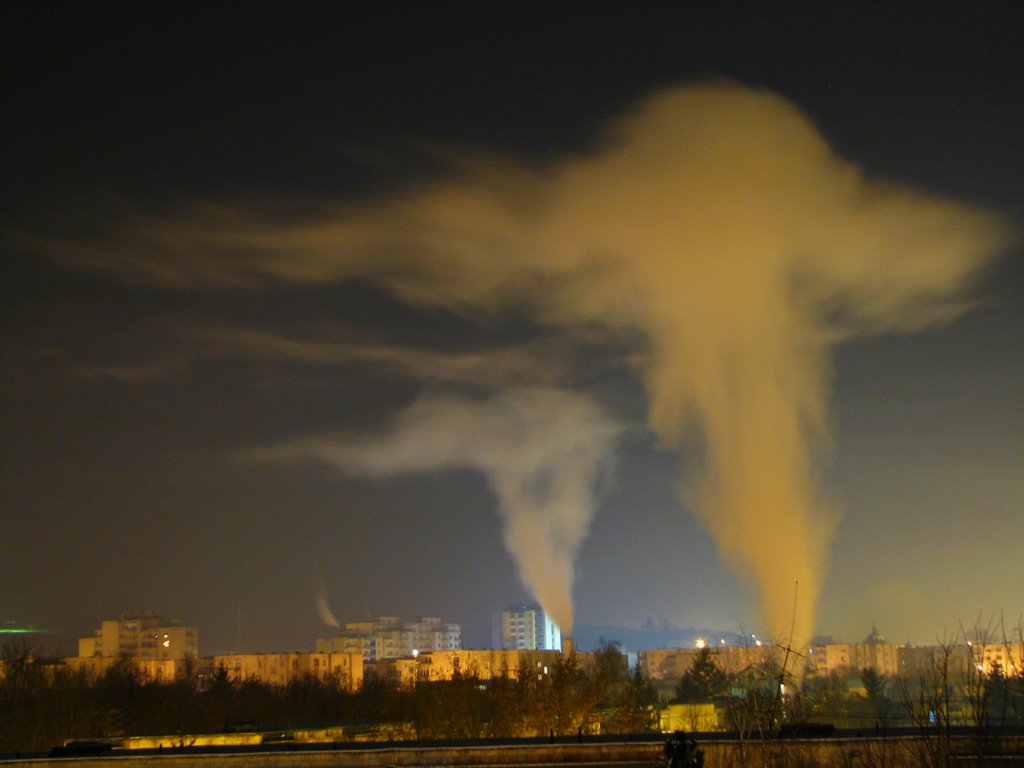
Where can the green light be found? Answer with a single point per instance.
(11, 630)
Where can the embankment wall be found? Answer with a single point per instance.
(893, 752)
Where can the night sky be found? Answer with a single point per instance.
(305, 299)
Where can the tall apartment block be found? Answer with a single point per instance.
(525, 627)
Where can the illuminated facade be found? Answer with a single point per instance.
(444, 665)
(672, 663)
(388, 637)
(283, 668)
(840, 658)
(526, 627)
(143, 636)
(1007, 657)
(690, 718)
(153, 670)
(822, 658)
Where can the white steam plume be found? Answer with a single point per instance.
(323, 610)
(715, 221)
(544, 452)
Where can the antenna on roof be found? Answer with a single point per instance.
(788, 648)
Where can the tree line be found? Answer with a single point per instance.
(943, 693)
(43, 704)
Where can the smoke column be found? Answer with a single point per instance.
(718, 222)
(323, 610)
(713, 221)
(544, 452)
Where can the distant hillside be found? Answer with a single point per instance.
(650, 634)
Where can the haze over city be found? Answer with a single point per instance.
(427, 309)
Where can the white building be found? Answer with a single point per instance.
(388, 637)
(525, 627)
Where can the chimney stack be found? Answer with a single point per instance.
(568, 646)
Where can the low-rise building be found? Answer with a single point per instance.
(845, 658)
(961, 660)
(283, 668)
(661, 664)
(152, 670)
(691, 718)
(1006, 657)
(485, 664)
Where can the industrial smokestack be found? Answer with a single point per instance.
(568, 646)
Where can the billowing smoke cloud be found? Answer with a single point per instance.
(544, 452)
(713, 221)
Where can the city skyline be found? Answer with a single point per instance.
(639, 314)
(517, 627)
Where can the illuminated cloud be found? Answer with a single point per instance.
(540, 361)
(544, 452)
(713, 220)
(499, 367)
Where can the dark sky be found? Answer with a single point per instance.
(145, 358)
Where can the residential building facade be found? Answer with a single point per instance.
(444, 665)
(525, 628)
(283, 668)
(672, 663)
(141, 636)
(842, 658)
(388, 637)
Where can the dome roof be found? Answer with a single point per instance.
(875, 638)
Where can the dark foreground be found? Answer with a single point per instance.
(908, 747)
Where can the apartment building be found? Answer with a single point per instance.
(525, 627)
(444, 665)
(159, 648)
(1007, 657)
(283, 668)
(841, 658)
(388, 637)
(141, 636)
(660, 664)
